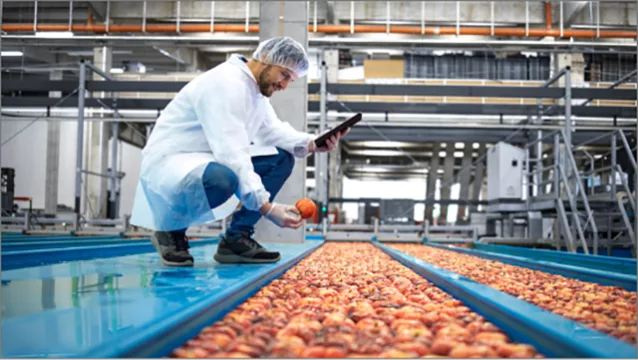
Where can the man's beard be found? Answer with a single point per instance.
(265, 87)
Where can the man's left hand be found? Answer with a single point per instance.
(331, 143)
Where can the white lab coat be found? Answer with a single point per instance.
(214, 118)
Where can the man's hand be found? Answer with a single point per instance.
(285, 216)
(331, 143)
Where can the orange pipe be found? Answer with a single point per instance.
(548, 15)
(328, 29)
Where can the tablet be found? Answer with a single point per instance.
(321, 141)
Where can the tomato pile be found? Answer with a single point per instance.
(352, 300)
(608, 309)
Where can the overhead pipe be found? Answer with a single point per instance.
(548, 15)
(326, 29)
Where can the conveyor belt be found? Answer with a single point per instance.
(609, 309)
(551, 334)
(63, 237)
(131, 306)
(57, 244)
(604, 263)
(627, 282)
(105, 307)
(21, 259)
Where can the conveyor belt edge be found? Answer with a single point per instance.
(12, 260)
(161, 338)
(625, 281)
(552, 335)
(35, 239)
(605, 263)
(41, 245)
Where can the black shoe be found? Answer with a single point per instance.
(172, 247)
(243, 249)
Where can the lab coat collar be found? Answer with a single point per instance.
(235, 59)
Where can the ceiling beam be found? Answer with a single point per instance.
(571, 9)
(99, 9)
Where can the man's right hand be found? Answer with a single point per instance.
(285, 216)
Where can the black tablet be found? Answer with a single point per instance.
(321, 141)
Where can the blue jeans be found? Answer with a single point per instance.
(221, 183)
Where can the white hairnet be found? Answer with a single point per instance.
(284, 52)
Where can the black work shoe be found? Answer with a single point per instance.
(243, 249)
(172, 247)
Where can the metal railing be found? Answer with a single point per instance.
(557, 177)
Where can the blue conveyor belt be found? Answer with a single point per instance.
(63, 237)
(20, 259)
(604, 263)
(627, 282)
(552, 335)
(124, 306)
(56, 244)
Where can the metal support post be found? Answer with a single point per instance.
(613, 165)
(113, 197)
(376, 228)
(127, 222)
(556, 186)
(528, 178)
(80, 139)
(539, 151)
(568, 118)
(321, 168)
(27, 220)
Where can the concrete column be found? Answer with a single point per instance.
(433, 174)
(331, 57)
(576, 62)
(98, 143)
(287, 19)
(53, 156)
(194, 65)
(464, 178)
(479, 173)
(446, 184)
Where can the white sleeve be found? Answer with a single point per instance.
(222, 109)
(280, 134)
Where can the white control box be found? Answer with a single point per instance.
(505, 172)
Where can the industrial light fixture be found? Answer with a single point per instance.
(117, 71)
(11, 53)
(54, 34)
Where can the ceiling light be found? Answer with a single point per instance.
(54, 34)
(11, 53)
(117, 71)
